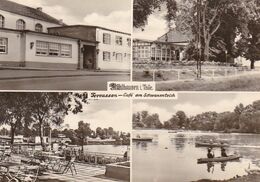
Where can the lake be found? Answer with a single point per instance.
(173, 156)
(110, 149)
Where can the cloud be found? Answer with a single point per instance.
(116, 20)
(155, 28)
(164, 115)
(57, 11)
(223, 105)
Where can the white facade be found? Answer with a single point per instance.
(31, 54)
(115, 54)
(21, 50)
(30, 23)
(14, 51)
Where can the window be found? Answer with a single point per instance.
(106, 56)
(153, 53)
(119, 40)
(129, 42)
(119, 57)
(42, 48)
(53, 49)
(3, 45)
(2, 21)
(20, 24)
(106, 38)
(65, 50)
(163, 54)
(158, 54)
(38, 27)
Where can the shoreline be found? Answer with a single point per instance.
(254, 177)
(196, 131)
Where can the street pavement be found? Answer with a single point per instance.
(70, 80)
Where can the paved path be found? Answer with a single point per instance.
(85, 173)
(97, 82)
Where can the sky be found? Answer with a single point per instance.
(104, 114)
(195, 103)
(156, 27)
(113, 14)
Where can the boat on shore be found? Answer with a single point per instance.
(205, 144)
(142, 139)
(218, 159)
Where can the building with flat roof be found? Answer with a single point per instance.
(31, 38)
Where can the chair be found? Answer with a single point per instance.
(70, 165)
(28, 173)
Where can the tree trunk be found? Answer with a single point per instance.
(206, 49)
(12, 135)
(41, 135)
(82, 145)
(252, 65)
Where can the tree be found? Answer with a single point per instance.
(48, 108)
(249, 45)
(4, 131)
(14, 110)
(144, 8)
(182, 118)
(83, 132)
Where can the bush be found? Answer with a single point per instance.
(146, 73)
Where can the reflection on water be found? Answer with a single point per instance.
(173, 157)
(180, 141)
(112, 149)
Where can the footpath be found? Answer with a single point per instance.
(23, 73)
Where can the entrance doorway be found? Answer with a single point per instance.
(89, 58)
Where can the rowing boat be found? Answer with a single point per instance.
(204, 144)
(219, 159)
(144, 139)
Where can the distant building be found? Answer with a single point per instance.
(31, 38)
(167, 48)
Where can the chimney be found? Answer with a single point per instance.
(39, 8)
(61, 21)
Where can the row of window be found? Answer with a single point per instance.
(118, 39)
(53, 49)
(155, 53)
(118, 56)
(20, 24)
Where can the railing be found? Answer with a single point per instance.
(98, 158)
(187, 73)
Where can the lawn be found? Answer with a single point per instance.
(241, 83)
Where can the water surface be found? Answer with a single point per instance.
(173, 156)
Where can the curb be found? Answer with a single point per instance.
(61, 76)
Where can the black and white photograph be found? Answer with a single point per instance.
(63, 137)
(60, 45)
(197, 45)
(199, 137)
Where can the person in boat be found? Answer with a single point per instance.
(223, 152)
(210, 154)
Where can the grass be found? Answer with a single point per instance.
(241, 83)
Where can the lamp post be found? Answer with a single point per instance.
(226, 56)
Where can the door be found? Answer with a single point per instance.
(89, 57)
